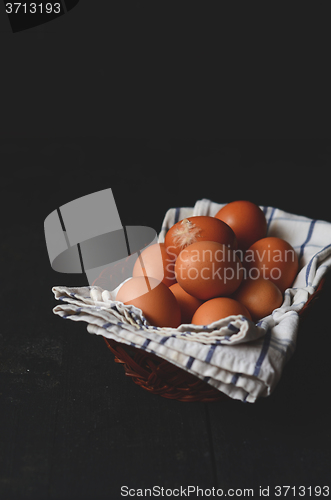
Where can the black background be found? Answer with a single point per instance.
(165, 105)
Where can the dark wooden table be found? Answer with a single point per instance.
(72, 426)
(165, 108)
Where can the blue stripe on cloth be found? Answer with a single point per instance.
(307, 245)
(77, 312)
(166, 337)
(270, 219)
(263, 353)
(106, 325)
(235, 378)
(311, 261)
(245, 398)
(210, 353)
(233, 328)
(190, 362)
(176, 215)
(301, 220)
(310, 232)
(145, 344)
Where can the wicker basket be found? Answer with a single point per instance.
(158, 376)
(161, 377)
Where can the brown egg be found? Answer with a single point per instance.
(207, 269)
(274, 259)
(154, 298)
(260, 297)
(198, 228)
(187, 303)
(218, 308)
(247, 221)
(157, 263)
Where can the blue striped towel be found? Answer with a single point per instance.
(242, 359)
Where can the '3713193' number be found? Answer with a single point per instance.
(302, 491)
(33, 8)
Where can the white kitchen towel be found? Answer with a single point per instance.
(242, 359)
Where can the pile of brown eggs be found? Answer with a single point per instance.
(209, 268)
